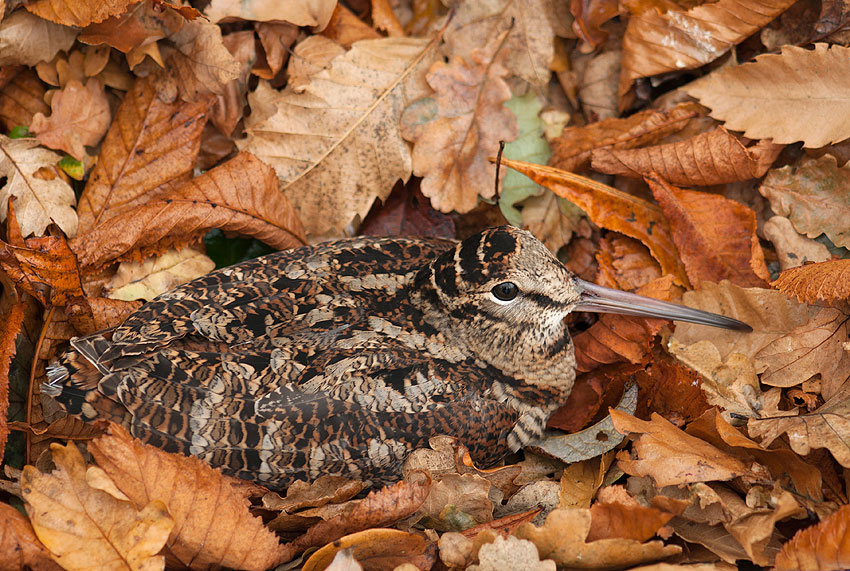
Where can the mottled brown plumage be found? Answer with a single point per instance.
(341, 358)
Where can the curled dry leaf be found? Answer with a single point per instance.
(377, 549)
(80, 117)
(46, 269)
(238, 196)
(26, 39)
(12, 322)
(821, 547)
(85, 527)
(715, 157)
(158, 274)
(140, 25)
(715, 236)
(19, 547)
(563, 539)
(41, 196)
(78, 13)
(151, 146)
(825, 281)
(792, 248)
(572, 150)
(815, 196)
(212, 524)
(457, 502)
(612, 209)
(798, 95)
(657, 42)
(21, 98)
(339, 132)
(630, 261)
(326, 489)
(627, 521)
(455, 131)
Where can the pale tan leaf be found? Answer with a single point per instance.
(41, 197)
(199, 62)
(151, 146)
(212, 524)
(80, 117)
(551, 219)
(814, 195)
(530, 43)
(676, 40)
(19, 547)
(798, 95)
(715, 157)
(511, 553)
(26, 39)
(793, 249)
(312, 13)
(78, 13)
(826, 281)
(336, 144)
(238, 196)
(156, 275)
(86, 528)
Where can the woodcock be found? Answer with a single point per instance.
(343, 357)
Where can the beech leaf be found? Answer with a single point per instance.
(80, 117)
(21, 98)
(825, 281)
(376, 549)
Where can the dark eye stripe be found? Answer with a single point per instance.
(541, 300)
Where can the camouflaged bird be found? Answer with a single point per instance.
(343, 357)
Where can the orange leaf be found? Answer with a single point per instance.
(821, 547)
(612, 209)
(239, 196)
(79, 13)
(46, 269)
(212, 524)
(12, 323)
(151, 146)
(21, 99)
(19, 547)
(825, 281)
(715, 235)
(589, 17)
(377, 549)
(90, 314)
(610, 520)
(715, 157)
(630, 262)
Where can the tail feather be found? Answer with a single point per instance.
(73, 378)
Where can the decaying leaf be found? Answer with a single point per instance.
(200, 63)
(511, 553)
(825, 281)
(798, 95)
(46, 269)
(457, 502)
(339, 132)
(80, 117)
(376, 549)
(19, 547)
(78, 13)
(821, 547)
(792, 248)
(21, 98)
(326, 489)
(312, 13)
(625, 520)
(85, 527)
(146, 280)
(12, 322)
(212, 524)
(26, 39)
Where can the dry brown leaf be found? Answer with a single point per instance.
(324, 490)
(78, 13)
(572, 150)
(212, 524)
(238, 196)
(715, 157)
(339, 133)
(345, 28)
(511, 553)
(792, 248)
(590, 15)
(46, 269)
(821, 547)
(552, 220)
(276, 39)
(628, 521)
(85, 527)
(632, 264)
(455, 131)
(312, 13)
(612, 209)
(228, 110)
(563, 539)
(139, 26)
(90, 314)
(20, 99)
(815, 196)
(385, 19)
(672, 457)
(41, 196)
(156, 275)
(457, 502)
(151, 146)
(26, 39)
(798, 95)
(657, 42)
(12, 322)
(825, 281)
(377, 549)
(80, 117)
(715, 236)
(19, 547)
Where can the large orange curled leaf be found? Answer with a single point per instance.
(715, 157)
(150, 146)
(212, 524)
(824, 281)
(821, 547)
(238, 196)
(46, 269)
(79, 13)
(612, 209)
(715, 235)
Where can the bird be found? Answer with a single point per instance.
(343, 357)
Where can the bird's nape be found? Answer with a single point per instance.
(600, 299)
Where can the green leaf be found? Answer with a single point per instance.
(20, 132)
(72, 167)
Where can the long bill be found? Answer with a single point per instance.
(600, 299)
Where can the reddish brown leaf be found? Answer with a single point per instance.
(21, 99)
(212, 524)
(90, 314)
(610, 520)
(716, 236)
(406, 212)
(345, 28)
(19, 547)
(572, 150)
(46, 269)
(612, 209)
(12, 322)
(826, 281)
(715, 157)
(383, 18)
(630, 261)
(822, 547)
(142, 24)
(79, 13)
(238, 196)
(150, 147)
(589, 17)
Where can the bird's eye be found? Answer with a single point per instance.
(505, 291)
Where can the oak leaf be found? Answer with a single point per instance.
(511, 553)
(821, 547)
(824, 281)
(793, 249)
(85, 527)
(798, 95)
(312, 13)
(339, 133)
(19, 547)
(26, 39)
(199, 61)
(815, 196)
(552, 220)
(150, 146)
(676, 40)
(459, 127)
(159, 274)
(212, 524)
(238, 196)
(715, 236)
(715, 157)
(80, 117)
(78, 13)
(21, 98)
(376, 549)
(614, 210)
